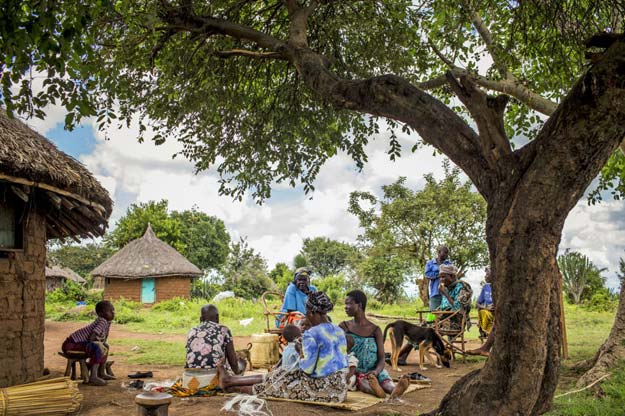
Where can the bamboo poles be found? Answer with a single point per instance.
(58, 396)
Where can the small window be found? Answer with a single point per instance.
(11, 237)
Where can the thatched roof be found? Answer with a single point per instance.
(34, 169)
(67, 274)
(146, 257)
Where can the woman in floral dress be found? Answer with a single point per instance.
(209, 342)
(320, 376)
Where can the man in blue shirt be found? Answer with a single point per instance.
(431, 273)
(486, 307)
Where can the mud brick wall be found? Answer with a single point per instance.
(22, 313)
(122, 288)
(171, 287)
(166, 288)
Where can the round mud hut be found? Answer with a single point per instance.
(57, 276)
(44, 194)
(146, 270)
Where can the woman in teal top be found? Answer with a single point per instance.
(320, 376)
(368, 347)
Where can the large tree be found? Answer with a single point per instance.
(268, 90)
(80, 258)
(412, 224)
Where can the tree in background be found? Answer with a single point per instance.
(281, 276)
(581, 278)
(201, 238)
(80, 258)
(326, 256)
(245, 272)
(299, 261)
(385, 271)
(412, 224)
(269, 90)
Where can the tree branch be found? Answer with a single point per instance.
(486, 36)
(487, 111)
(298, 15)
(249, 54)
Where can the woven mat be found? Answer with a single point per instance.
(355, 401)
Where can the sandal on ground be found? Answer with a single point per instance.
(419, 377)
(139, 374)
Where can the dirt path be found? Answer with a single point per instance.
(114, 400)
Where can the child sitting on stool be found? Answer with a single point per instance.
(92, 340)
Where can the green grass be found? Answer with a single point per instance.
(586, 403)
(150, 352)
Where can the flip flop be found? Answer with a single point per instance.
(419, 377)
(138, 374)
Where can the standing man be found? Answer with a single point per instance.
(431, 273)
(486, 307)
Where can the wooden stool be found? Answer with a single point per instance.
(153, 403)
(72, 358)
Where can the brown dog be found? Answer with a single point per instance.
(245, 355)
(427, 339)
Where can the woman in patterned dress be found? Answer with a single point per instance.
(320, 376)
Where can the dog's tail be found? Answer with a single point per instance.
(249, 346)
(391, 325)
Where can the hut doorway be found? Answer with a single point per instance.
(148, 292)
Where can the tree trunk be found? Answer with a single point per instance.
(424, 290)
(612, 350)
(521, 373)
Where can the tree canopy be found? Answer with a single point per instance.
(326, 256)
(80, 258)
(245, 272)
(240, 80)
(201, 238)
(581, 278)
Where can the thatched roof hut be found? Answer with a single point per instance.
(64, 273)
(148, 270)
(44, 194)
(37, 172)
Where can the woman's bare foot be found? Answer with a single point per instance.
(375, 386)
(107, 377)
(97, 381)
(478, 351)
(401, 387)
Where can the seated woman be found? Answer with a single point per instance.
(320, 376)
(296, 295)
(368, 348)
(209, 342)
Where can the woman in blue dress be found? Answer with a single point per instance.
(368, 348)
(296, 296)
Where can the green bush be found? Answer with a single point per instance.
(128, 311)
(333, 286)
(173, 305)
(602, 301)
(202, 289)
(69, 292)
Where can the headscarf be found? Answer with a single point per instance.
(302, 271)
(448, 269)
(319, 302)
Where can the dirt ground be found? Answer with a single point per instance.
(114, 400)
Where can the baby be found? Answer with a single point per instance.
(290, 355)
(92, 340)
(352, 363)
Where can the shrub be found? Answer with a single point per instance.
(602, 301)
(203, 289)
(173, 305)
(333, 286)
(127, 311)
(69, 292)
